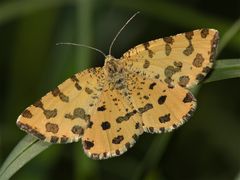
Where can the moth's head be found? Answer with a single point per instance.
(109, 58)
(112, 65)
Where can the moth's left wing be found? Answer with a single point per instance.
(183, 59)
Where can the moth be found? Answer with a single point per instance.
(109, 107)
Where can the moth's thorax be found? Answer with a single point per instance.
(114, 71)
(112, 65)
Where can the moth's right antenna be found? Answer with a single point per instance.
(110, 48)
(82, 45)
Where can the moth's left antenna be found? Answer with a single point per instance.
(110, 48)
(82, 45)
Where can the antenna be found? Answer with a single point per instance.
(82, 45)
(110, 48)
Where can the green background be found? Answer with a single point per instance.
(207, 147)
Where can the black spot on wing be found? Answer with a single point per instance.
(151, 86)
(118, 139)
(51, 127)
(54, 139)
(27, 114)
(162, 99)
(147, 107)
(126, 117)
(105, 125)
(77, 130)
(88, 144)
(188, 98)
(64, 139)
(165, 118)
(101, 108)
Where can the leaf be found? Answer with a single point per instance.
(225, 69)
(26, 149)
(83, 166)
(229, 34)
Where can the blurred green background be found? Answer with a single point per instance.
(207, 147)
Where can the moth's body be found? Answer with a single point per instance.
(146, 90)
(115, 73)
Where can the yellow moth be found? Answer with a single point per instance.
(146, 90)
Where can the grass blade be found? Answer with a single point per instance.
(232, 31)
(83, 166)
(25, 150)
(225, 69)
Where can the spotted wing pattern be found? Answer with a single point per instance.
(162, 109)
(62, 115)
(183, 59)
(115, 126)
